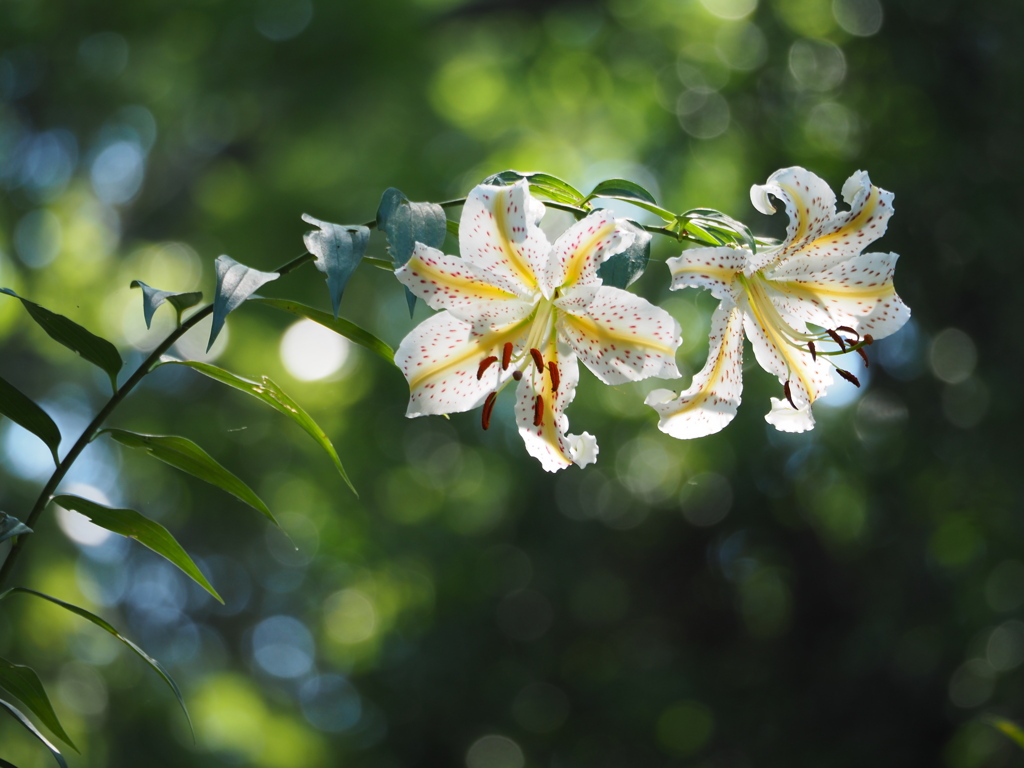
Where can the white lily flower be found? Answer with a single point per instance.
(817, 276)
(517, 308)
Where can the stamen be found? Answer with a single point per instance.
(789, 395)
(486, 363)
(488, 408)
(848, 329)
(869, 339)
(837, 339)
(848, 376)
(506, 355)
(863, 356)
(517, 375)
(814, 353)
(538, 411)
(553, 371)
(537, 359)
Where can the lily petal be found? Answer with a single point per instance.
(581, 249)
(549, 442)
(841, 236)
(858, 293)
(715, 392)
(441, 360)
(498, 232)
(808, 377)
(809, 202)
(711, 268)
(785, 418)
(620, 336)
(464, 289)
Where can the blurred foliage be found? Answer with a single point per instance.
(844, 597)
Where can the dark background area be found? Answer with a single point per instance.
(845, 596)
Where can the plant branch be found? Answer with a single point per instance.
(90, 431)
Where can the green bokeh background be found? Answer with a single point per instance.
(848, 596)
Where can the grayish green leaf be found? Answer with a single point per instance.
(338, 250)
(630, 192)
(11, 527)
(339, 325)
(24, 412)
(129, 523)
(235, 283)
(268, 392)
(25, 685)
(97, 351)
(185, 455)
(153, 663)
(153, 298)
(405, 223)
(622, 268)
(27, 724)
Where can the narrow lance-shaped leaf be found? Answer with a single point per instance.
(24, 683)
(18, 715)
(630, 192)
(268, 392)
(550, 186)
(338, 250)
(340, 325)
(104, 625)
(24, 412)
(97, 351)
(185, 455)
(11, 527)
(1008, 728)
(235, 283)
(405, 223)
(133, 525)
(621, 269)
(153, 298)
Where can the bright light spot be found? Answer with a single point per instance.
(858, 17)
(38, 237)
(330, 703)
(192, 346)
(816, 64)
(843, 392)
(730, 9)
(702, 113)
(117, 172)
(25, 455)
(309, 351)
(283, 19)
(350, 617)
(953, 356)
(494, 751)
(78, 527)
(283, 646)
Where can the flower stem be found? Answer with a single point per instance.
(90, 431)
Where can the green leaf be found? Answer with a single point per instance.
(27, 724)
(384, 264)
(718, 222)
(11, 527)
(338, 250)
(1008, 728)
(622, 268)
(153, 663)
(129, 523)
(630, 192)
(24, 412)
(97, 351)
(5, 764)
(24, 683)
(340, 325)
(405, 223)
(235, 283)
(550, 186)
(268, 392)
(185, 455)
(153, 298)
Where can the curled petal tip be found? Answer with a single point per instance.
(759, 199)
(785, 418)
(857, 183)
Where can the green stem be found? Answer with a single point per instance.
(90, 431)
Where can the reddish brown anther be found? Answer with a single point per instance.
(538, 411)
(517, 375)
(789, 394)
(813, 351)
(486, 363)
(848, 376)
(848, 329)
(863, 356)
(506, 355)
(537, 359)
(553, 371)
(492, 398)
(837, 339)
